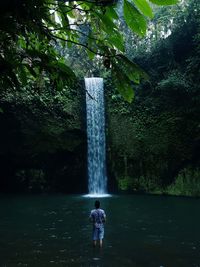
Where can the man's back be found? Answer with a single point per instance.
(98, 217)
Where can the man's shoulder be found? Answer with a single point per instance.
(97, 210)
(101, 210)
(93, 211)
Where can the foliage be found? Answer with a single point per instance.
(156, 139)
(42, 141)
(31, 32)
(164, 21)
(139, 184)
(187, 183)
(126, 183)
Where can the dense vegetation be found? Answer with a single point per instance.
(152, 143)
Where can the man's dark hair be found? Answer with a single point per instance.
(97, 204)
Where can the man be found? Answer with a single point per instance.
(98, 218)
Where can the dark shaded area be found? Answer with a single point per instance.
(43, 148)
(38, 229)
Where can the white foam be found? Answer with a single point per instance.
(97, 195)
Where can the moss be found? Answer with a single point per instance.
(125, 183)
(43, 143)
(187, 183)
(149, 184)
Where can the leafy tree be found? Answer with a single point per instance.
(156, 138)
(32, 30)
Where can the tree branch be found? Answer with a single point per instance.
(79, 44)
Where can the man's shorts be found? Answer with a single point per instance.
(98, 233)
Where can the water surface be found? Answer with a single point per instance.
(141, 231)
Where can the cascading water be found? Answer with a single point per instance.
(97, 179)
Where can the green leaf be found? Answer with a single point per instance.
(164, 2)
(144, 7)
(69, 45)
(23, 75)
(1, 110)
(50, 20)
(52, 17)
(71, 12)
(134, 19)
(116, 39)
(107, 23)
(62, 14)
(86, 5)
(59, 84)
(30, 70)
(91, 55)
(65, 20)
(122, 83)
(63, 67)
(22, 42)
(132, 70)
(110, 12)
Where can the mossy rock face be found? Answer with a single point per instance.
(52, 137)
(42, 150)
(148, 153)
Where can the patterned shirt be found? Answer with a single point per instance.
(98, 217)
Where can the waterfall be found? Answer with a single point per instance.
(97, 180)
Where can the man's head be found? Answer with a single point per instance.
(97, 204)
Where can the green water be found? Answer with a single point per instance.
(141, 231)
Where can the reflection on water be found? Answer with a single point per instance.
(141, 231)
